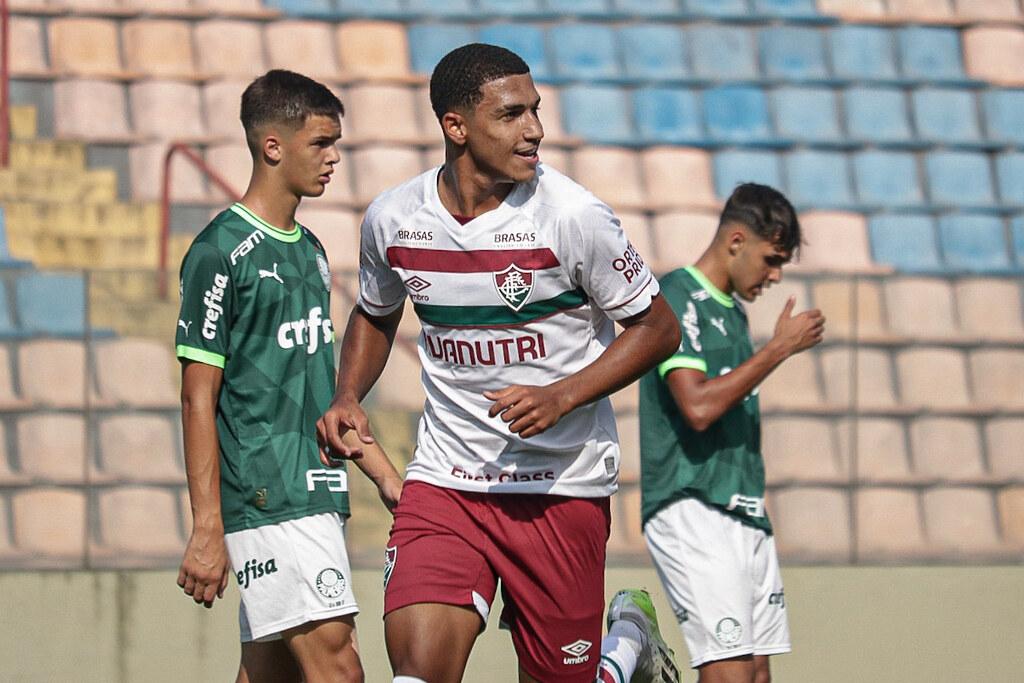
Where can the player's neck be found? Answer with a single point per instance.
(715, 270)
(465, 191)
(273, 204)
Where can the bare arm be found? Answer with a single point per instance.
(702, 401)
(204, 567)
(378, 468)
(648, 338)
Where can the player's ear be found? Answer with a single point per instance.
(271, 145)
(454, 126)
(737, 240)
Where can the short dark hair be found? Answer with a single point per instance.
(281, 96)
(457, 78)
(767, 212)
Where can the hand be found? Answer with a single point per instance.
(344, 414)
(390, 491)
(796, 333)
(530, 410)
(205, 567)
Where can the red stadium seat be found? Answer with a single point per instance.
(53, 373)
(998, 377)
(889, 525)
(85, 46)
(90, 110)
(138, 526)
(243, 60)
(611, 173)
(121, 362)
(676, 177)
(140, 448)
(947, 450)
(823, 536)
(802, 450)
(921, 308)
(994, 54)
(933, 377)
(874, 383)
(373, 49)
(306, 47)
(50, 524)
(961, 522)
(161, 48)
(1003, 437)
(53, 447)
(990, 308)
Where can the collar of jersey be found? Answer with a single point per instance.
(257, 222)
(435, 198)
(717, 294)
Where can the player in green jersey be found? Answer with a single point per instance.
(256, 344)
(700, 438)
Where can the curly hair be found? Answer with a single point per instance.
(458, 77)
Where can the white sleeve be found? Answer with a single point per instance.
(605, 264)
(381, 290)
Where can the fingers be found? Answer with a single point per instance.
(223, 584)
(503, 399)
(209, 594)
(362, 427)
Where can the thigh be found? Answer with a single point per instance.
(702, 558)
(431, 641)
(268, 662)
(550, 555)
(771, 625)
(326, 650)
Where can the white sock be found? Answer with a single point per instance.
(408, 679)
(622, 647)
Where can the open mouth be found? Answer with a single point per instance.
(529, 155)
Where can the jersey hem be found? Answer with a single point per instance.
(718, 507)
(305, 618)
(570, 491)
(677, 362)
(290, 515)
(200, 356)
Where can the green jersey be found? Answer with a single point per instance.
(721, 466)
(255, 301)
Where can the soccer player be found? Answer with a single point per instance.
(256, 344)
(516, 274)
(702, 474)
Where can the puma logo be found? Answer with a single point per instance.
(183, 325)
(720, 324)
(271, 274)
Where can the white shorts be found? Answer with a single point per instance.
(290, 574)
(722, 579)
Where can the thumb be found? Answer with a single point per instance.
(362, 427)
(787, 310)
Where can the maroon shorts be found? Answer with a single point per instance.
(452, 547)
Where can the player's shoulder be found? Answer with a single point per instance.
(221, 234)
(398, 203)
(679, 279)
(555, 193)
(311, 237)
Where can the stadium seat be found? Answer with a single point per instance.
(863, 380)
(51, 303)
(920, 307)
(119, 364)
(221, 102)
(802, 450)
(380, 167)
(998, 377)
(338, 231)
(960, 521)
(974, 242)
(947, 450)
(188, 185)
(428, 43)
(1003, 437)
(834, 241)
(881, 451)
(889, 524)
(550, 115)
(653, 52)
(638, 232)
(923, 11)
(793, 53)
(233, 163)
(600, 114)
(907, 242)
(981, 10)
(306, 47)
(584, 51)
(933, 377)
(52, 447)
(764, 313)
(629, 446)
(677, 177)
(84, 46)
(611, 173)
(736, 114)
(1010, 502)
(818, 179)
(27, 50)
(161, 48)
(50, 523)
(877, 115)
(8, 327)
(1004, 115)
(793, 10)
(1010, 176)
(372, 49)
(389, 9)
(822, 536)
(166, 110)
(526, 40)
(399, 386)
(853, 10)
(794, 384)
(303, 8)
(863, 53)
(853, 310)
(382, 113)
(887, 179)
(1017, 240)
(717, 9)
(959, 179)
(667, 115)
(722, 52)
(9, 554)
(245, 59)
(807, 115)
(994, 54)
(990, 308)
(946, 116)
(511, 8)
(138, 526)
(733, 167)
(90, 110)
(579, 8)
(930, 54)
(9, 396)
(680, 237)
(140, 448)
(450, 9)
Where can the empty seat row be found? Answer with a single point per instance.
(958, 242)
(44, 303)
(913, 11)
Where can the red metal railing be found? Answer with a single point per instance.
(5, 85)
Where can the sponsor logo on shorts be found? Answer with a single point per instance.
(390, 557)
(577, 652)
(682, 616)
(778, 599)
(330, 583)
(728, 631)
(255, 569)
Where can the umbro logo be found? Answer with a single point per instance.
(271, 274)
(577, 652)
(416, 283)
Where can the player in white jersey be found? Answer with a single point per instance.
(516, 274)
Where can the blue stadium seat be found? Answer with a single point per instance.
(7, 327)
(807, 114)
(648, 8)
(795, 10)
(428, 43)
(877, 115)
(519, 9)
(598, 9)
(974, 242)
(818, 179)
(51, 303)
(448, 9)
(905, 241)
(718, 9)
(1010, 175)
(667, 115)
(597, 113)
(946, 115)
(722, 52)
(737, 113)
(369, 8)
(303, 8)
(526, 40)
(887, 179)
(931, 54)
(1004, 115)
(653, 51)
(733, 167)
(864, 53)
(584, 51)
(959, 179)
(794, 53)
(1017, 239)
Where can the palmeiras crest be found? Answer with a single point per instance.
(514, 286)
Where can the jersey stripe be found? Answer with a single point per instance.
(200, 356)
(495, 316)
(678, 361)
(475, 261)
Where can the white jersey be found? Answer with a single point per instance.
(523, 294)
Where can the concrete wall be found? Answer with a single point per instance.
(909, 624)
